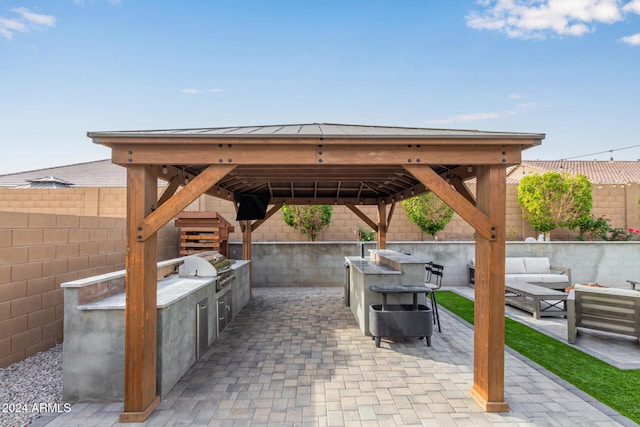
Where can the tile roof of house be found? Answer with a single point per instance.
(100, 173)
(103, 173)
(597, 171)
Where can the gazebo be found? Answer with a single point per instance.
(316, 164)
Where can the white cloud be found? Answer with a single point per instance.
(539, 18)
(472, 117)
(24, 22)
(192, 91)
(633, 40)
(9, 26)
(632, 7)
(113, 2)
(35, 18)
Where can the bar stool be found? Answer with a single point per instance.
(433, 282)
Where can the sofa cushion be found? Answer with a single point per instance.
(532, 278)
(554, 278)
(608, 291)
(537, 265)
(514, 266)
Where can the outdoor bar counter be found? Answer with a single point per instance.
(382, 267)
(94, 328)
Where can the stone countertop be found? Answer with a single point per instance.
(398, 257)
(399, 289)
(366, 266)
(170, 290)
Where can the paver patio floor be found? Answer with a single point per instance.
(295, 356)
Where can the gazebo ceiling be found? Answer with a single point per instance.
(362, 184)
(316, 163)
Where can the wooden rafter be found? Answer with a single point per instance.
(275, 208)
(371, 223)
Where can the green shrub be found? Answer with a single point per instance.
(555, 200)
(366, 235)
(428, 212)
(308, 220)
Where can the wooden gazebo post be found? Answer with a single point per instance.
(140, 398)
(245, 226)
(382, 225)
(488, 217)
(488, 361)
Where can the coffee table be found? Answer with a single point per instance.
(537, 300)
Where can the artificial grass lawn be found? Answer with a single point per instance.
(616, 388)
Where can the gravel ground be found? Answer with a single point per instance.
(31, 388)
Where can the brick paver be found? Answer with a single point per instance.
(295, 357)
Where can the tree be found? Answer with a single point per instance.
(308, 220)
(555, 200)
(428, 212)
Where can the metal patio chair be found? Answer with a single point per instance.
(433, 282)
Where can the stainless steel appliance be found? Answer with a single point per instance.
(208, 264)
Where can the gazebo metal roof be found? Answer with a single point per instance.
(328, 130)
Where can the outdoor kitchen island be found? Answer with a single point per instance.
(193, 307)
(383, 268)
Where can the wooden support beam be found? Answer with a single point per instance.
(179, 201)
(382, 225)
(275, 208)
(488, 361)
(286, 152)
(140, 397)
(245, 226)
(458, 202)
(170, 190)
(462, 188)
(390, 215)
(371, 223)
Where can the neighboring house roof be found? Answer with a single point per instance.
(100, 173)
(103, 173)
(597, 171)
(46, 182)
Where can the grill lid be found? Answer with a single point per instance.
(204, 264)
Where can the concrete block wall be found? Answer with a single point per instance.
(83, 201)
(38, 252)
(619, 204)
(322, 263)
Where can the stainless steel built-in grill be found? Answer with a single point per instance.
(208, 264)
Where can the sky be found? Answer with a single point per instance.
(569, 69)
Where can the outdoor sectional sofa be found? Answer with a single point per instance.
(537, 270)
(603, 309)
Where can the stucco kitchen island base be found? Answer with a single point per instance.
(93, 359)
(382, 268)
